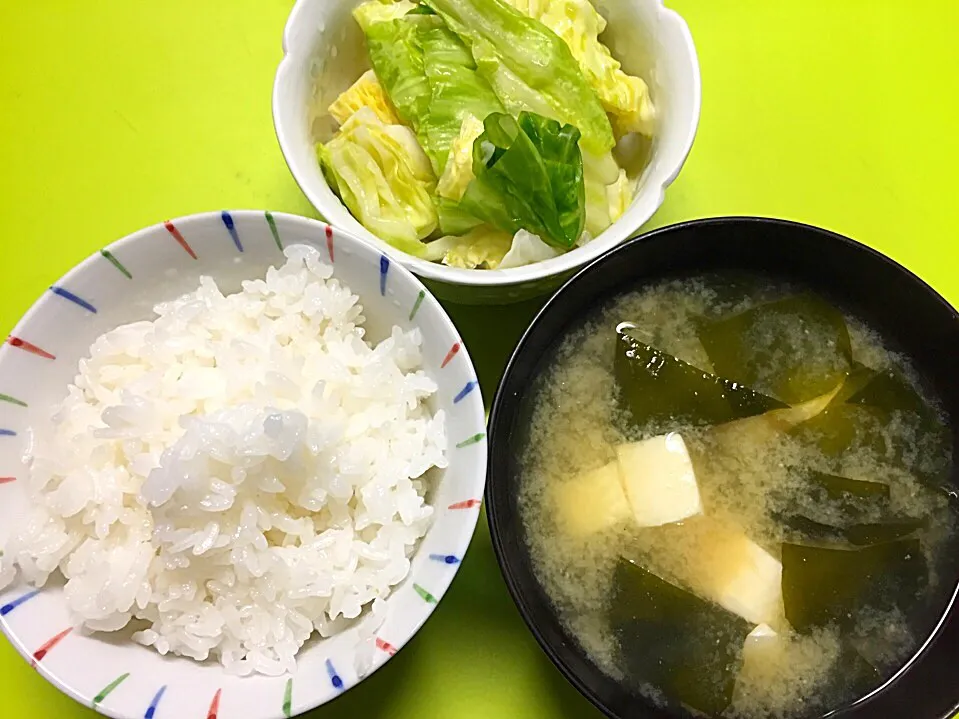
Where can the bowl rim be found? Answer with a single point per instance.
(327, 204)
(505, 404)
(474, 404)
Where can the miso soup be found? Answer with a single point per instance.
(735, 495)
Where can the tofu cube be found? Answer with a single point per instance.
(658, 477)
(762, 652)
(753, 586)
(738, 574)
(761, 635)
(715, 560)
(592, 501)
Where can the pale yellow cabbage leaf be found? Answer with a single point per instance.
(619, 195)
(527, 249)
(459, 164)
(365, 92)
(609, 192)
(482, 247)
(385, 179)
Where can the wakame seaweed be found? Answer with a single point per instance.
(856, 535)
(688, 647)
(657, 388)
(794, 349)
(829, 585)
(844, 488)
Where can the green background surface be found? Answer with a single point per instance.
(116, 114)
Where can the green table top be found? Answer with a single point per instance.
(117, 114)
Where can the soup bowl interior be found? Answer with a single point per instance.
(122, 284)
(912, 318)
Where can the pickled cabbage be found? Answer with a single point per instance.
(384, 178)
(365, 92)
(577, 22)
(528, 65)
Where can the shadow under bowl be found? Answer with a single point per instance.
(908, 313)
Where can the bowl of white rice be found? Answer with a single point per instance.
(236, 449)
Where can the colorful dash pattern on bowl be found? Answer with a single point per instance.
(98, 673)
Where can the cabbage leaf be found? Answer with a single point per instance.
(457, 90)
(608, 191)
(431, 78)
(384, 178)
(376, 11)
(619, 195)
(527, 249)
(578, 23)
(485, 247)
(528, 65)
(398, 63)
(459, 165)
(529, 176)
(453, 219)
(482, 247)
(365, 92)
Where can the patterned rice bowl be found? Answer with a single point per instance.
(121, 284)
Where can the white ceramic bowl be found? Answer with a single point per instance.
(325, 50)
(121, 284)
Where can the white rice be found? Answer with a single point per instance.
(238, 473)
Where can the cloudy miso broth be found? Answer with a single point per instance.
(733, 496)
